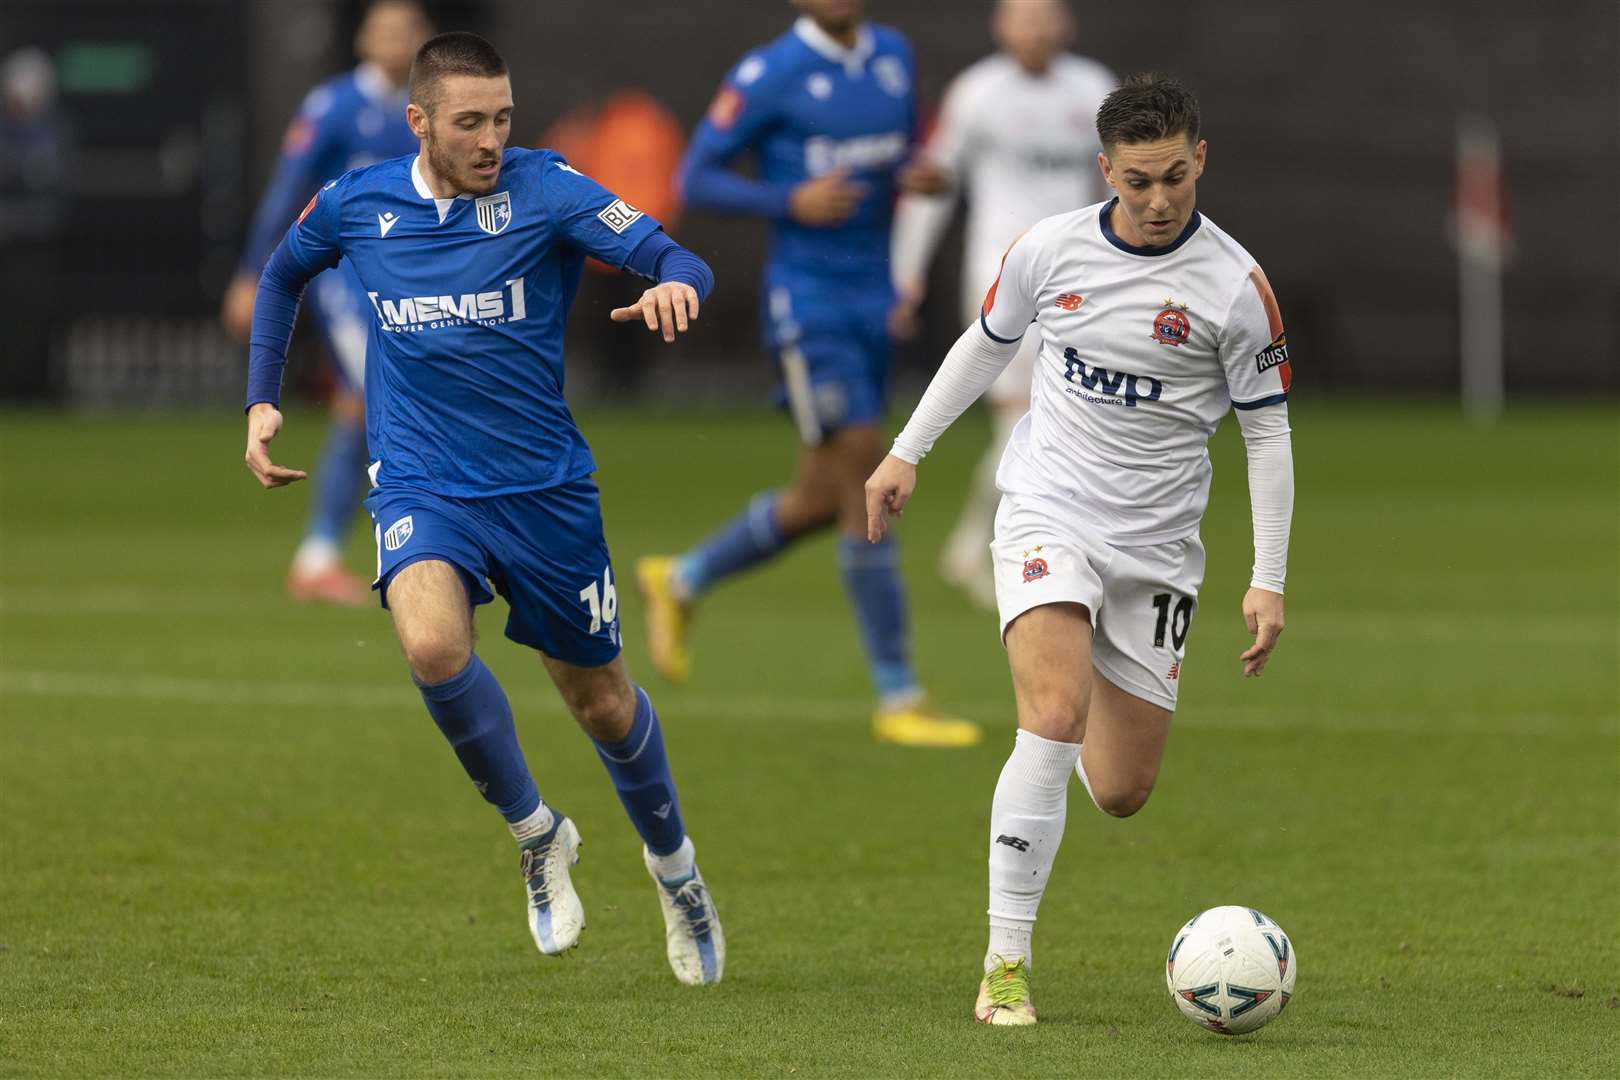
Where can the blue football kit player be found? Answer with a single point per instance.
(470, 255)
(828, 111)
(351, 120)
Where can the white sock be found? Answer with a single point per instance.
(1026, 827)
(1080, 770)
(536, 824)
(315, 554)
(677, 864)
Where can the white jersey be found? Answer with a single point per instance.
(1023, 146)
(1142, 351)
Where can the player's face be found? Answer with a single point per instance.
(833, 16)
(1157, 185)
(466, 133)
(390, 36)
(1031, 31)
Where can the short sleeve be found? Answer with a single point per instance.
(1254, 347)
(1009, 306)
(592, 218)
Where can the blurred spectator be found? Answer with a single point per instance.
(36, 150)
(631, 145)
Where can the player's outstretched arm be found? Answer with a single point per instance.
(264, 421)
(887, 491)
(669, 308)
(1263, 614)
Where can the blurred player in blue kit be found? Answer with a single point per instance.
(829, 112)
(470, 255)
(353, 119)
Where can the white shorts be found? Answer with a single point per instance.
(1141, 599)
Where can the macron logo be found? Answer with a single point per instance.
(386, 222)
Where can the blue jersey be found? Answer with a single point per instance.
(806, 106)
(346, 122)
(464, 373)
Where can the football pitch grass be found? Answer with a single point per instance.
(232, 842)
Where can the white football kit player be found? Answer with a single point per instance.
(1024, 147)
(1141, 352)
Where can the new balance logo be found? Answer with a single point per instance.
(1013, 842)
(386, 222)
(662, 812)
(1069, 301)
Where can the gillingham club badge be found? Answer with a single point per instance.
(1035, 567)
(494, 212)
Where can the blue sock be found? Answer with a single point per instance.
(338, 477)
(747, 539)
(472, 711)
(640, 772)
(872, 580)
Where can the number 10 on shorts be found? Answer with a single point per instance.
(602, 600)
(1178, 623)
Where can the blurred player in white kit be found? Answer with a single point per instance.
(1017, 134)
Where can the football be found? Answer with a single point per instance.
(1231, 969)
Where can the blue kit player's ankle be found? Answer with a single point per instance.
(640, 772)
(472, 711)
(748, 539)
(872, 579)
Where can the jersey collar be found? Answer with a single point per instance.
(822, 42)
(426, 192)
(374, 85)
(1152, 252)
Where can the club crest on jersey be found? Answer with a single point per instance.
(494, 212)
(891, 75)
(1035, 567)
(1171, 326)
(399, 532)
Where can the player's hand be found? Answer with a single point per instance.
(826, 200)
(264, 421)
(887, 491)
(903, 324)
(1263, 613)
(669, 307)
(922, 176)
(236, 310)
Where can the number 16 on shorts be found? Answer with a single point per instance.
(601, 599)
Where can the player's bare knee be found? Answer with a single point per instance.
(1121, 802)
(436, 659)
(606, 711)
(1057, 720)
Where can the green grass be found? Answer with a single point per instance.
(232, 843)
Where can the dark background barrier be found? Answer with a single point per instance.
(1332, 132)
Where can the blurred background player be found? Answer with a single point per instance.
(829, 111)
(350, 120)
(1153, 325)
(1017, 134)
(482, 479)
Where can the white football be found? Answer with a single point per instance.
(1231, 969)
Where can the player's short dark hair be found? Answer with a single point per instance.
(1147, 108)
(455, 53)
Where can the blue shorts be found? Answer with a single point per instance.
(831, 344)
(543, 551)
(343, 311)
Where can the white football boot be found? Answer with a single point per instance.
(555, 914)
(692, 936)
